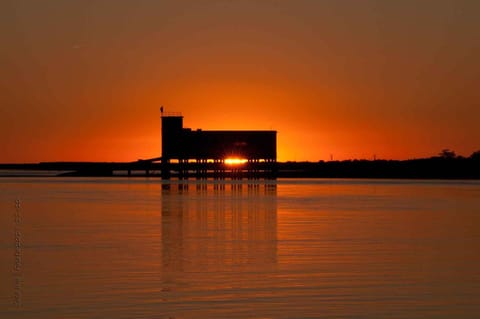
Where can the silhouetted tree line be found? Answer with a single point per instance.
(446, 165)
(449, 154)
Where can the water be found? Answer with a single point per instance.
(136, 248)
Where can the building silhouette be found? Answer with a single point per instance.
(184, 144)
(203, 153)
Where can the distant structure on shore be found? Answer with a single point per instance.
(251, 152)
(185, 144)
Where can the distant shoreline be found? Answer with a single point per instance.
(428, 168)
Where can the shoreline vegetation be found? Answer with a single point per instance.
(446, 165)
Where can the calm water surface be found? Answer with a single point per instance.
(137, 248)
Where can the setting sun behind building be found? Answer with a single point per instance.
(235, 161)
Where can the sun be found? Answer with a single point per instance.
(235, 161)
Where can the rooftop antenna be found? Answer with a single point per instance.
(161, 109)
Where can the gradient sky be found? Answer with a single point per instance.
(84, 80)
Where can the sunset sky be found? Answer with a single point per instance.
(84, 80)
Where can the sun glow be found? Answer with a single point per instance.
(235, 161)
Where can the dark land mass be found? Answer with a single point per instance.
(432, 168)
(440, 167)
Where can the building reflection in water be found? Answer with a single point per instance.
(218, 227)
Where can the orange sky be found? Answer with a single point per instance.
(84, 80)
